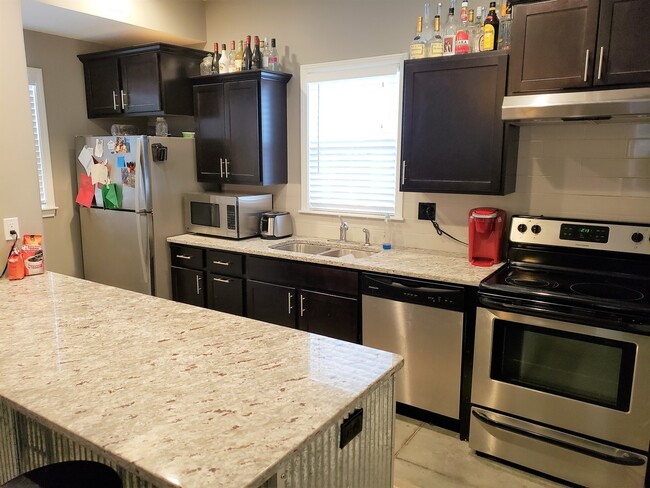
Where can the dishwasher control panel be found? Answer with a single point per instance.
(426, 293)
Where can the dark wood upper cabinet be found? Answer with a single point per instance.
(453, 138)
(241, 127)
(152, 79)
(578, 44)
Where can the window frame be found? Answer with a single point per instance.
(35, 78)
(348, 69)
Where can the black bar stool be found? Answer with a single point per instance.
(68, 474)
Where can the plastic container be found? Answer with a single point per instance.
(205, 68)
(387, 238)
(161, 127)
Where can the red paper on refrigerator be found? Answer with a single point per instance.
(86, 191)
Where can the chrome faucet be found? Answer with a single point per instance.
(343, 230)
(367, 233)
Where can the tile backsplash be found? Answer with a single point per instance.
(581, 170)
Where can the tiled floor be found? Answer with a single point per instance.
(430, 457)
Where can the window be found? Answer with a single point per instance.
(350, 136)
(41, 141)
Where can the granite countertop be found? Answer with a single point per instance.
(409, 262)
(182, 395)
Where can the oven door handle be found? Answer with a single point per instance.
(566, 441)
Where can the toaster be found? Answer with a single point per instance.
(275, 225)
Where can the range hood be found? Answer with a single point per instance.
(630, 104)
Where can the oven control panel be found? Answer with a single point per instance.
(605, 236)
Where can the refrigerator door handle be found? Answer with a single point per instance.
(143, 245)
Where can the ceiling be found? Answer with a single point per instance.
(50, 19)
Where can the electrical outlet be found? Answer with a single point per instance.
(11, 224)
(426, 211)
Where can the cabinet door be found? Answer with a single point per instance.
(271, 303)
(553, 45)
(210, 126)
(141, 83)
(188, 286)
(452, 133)
(102, 77)
(329, 315)
(623, 54)
(226, 294)
(242, 132)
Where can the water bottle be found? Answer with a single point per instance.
(161, 127)
(386, 243)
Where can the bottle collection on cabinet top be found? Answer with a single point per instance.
(251, 53)
(469, 30)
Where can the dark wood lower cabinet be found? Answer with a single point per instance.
(226, 294)
(271, 303)
(188, 286)
(329, 315)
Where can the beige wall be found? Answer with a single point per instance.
(66, 113)
(19, 193)
(592, 171)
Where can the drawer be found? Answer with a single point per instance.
(226, 263)
(226, 294)
(186, 257)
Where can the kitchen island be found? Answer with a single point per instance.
(172, 395)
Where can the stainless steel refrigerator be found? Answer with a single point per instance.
(126, 246)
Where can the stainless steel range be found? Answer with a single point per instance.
(561, 375)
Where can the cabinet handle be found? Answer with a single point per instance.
(403, 171)
(122, 96)
(221, 167)
(221, 263)
(221, 280)
(227, 163)
(115, 107)
(302, 305)
(600, 62)
(289, 307)
(586, 65)
(183, 256)
(198, 286)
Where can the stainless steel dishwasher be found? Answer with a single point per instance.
(423, 322)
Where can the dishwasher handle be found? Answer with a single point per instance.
(439, 295)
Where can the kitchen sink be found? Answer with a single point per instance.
(301, 247)
(332, 251)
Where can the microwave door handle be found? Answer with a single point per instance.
(566, 441)
(271, 226)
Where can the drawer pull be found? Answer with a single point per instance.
(183, 256)
(221, 263)
(221, 280)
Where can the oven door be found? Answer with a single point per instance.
(587, 380)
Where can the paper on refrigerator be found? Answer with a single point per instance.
(86, 159)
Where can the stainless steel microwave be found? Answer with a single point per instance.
(231, 215)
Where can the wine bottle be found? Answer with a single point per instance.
(239, 57)
(223, 60)
(247, 55)
(417, 49)
(231, 58)
(491, 29)
(215, 58)
(256, 58)
(274, 60)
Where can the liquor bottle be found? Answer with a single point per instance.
(239, 57)
(256, 58)
(215, 58)
(491, 29)
(223, 60)
(505, 29)
(462, 33)
(476, 31)
(418, 45)
(247, 55)
(449, 38)
(435, 44)
(274, 60)
(264, 47)
(231, 58)
(427, 30)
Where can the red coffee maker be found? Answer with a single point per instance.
(485, 235)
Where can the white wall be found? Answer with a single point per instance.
(19, 193)
(587, 170)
